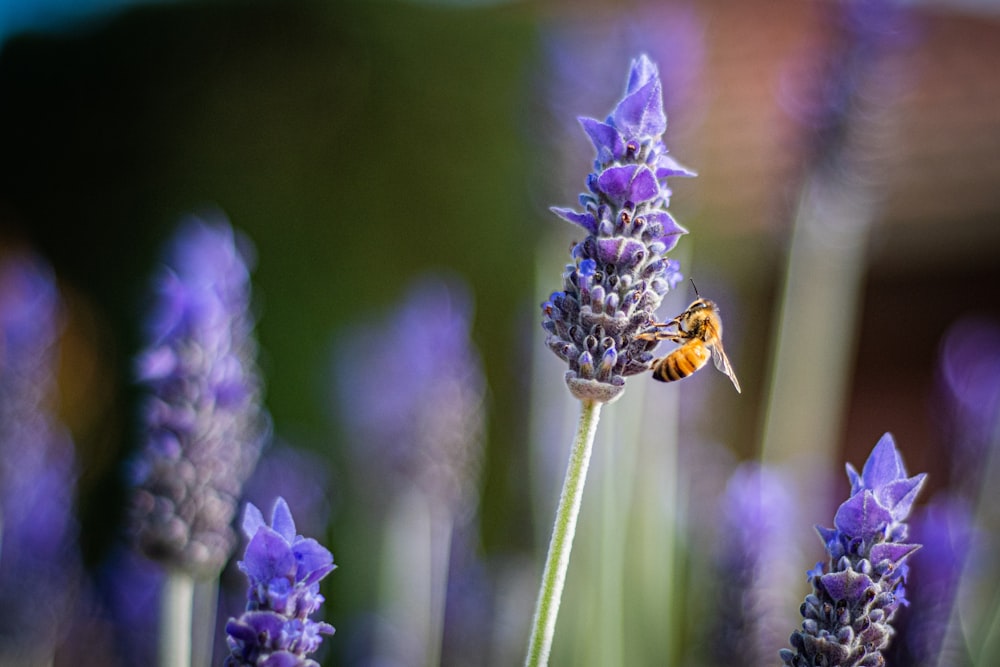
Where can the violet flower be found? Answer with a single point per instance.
(855, 596)
(969, 380)
(39, 568)
(947, 530)
(284, 570)
(411, 390)
(757, 508)
(202, 416)
(619, 273)
(956, 574)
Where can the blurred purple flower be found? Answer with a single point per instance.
(757, 508)
(968, 407)
(831, 90)
(202, 415)
(470, 602)
(129, 585)
(411, 391)
(284, 570)
(619, 273)
(946, 530)
(38, 562)
(969, 375)
(848, 615)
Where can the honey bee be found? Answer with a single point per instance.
(699, 332)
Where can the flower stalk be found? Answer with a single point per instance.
(176, 605)
(557, 561)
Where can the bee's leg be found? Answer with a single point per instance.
(672, 336)
(655, 331)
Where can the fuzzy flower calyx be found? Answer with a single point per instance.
(619, 273)
(855, 597)
(284, 570)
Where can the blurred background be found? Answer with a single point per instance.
(844, 218)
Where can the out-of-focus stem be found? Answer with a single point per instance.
(176, 604)
(205, 606)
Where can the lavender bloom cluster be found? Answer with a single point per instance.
(849, 613)
(38, 564)
(427, 424)
(284, 570)
(757, 507)
(203, 420)
(619, 273)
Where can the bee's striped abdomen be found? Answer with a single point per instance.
(682, 362)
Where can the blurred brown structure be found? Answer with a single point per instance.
(934, 252)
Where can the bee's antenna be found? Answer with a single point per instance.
(695, 288)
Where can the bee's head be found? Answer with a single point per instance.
(701, 304)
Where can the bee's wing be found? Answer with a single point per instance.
(722, 363)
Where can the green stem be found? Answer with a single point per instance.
(176, 604)
(205, 607)
(557, 561)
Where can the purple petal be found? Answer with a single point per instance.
(854, 477)
(667, 166)
(283, 659)
(898, 496)
(672, 273)
(253, 519)
(615, 182)
(311, 555)
(644, 186)
(606, 139)
(884, 464)
(156, 364)
(585, 220)
(641, 71)
(640, 113)
(241, 631)
(846, 585)
(861, 516)
(828, 535)
(669, 228)
(619, 250)
(268, 556)
(282, 521)
(892, 551)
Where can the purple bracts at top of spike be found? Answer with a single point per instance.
(283, 570)
(619, 272)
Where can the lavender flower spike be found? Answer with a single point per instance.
(39, 563)
(848, 616)
(284, 570)
(203, 422)
(619, 273)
